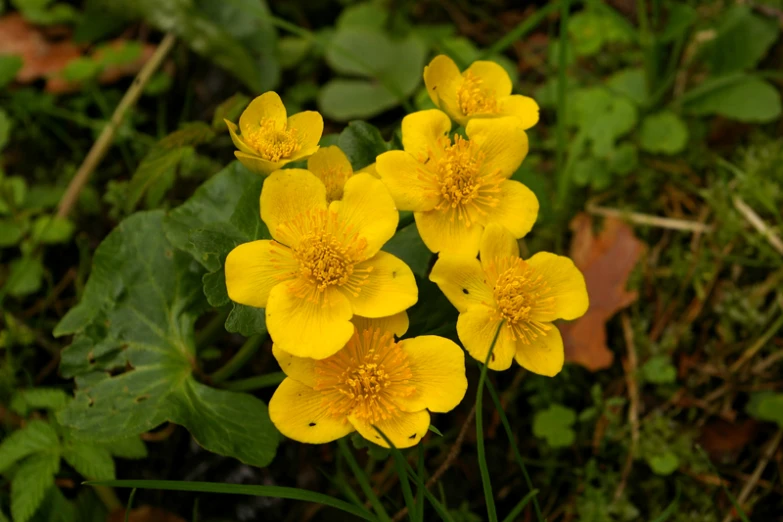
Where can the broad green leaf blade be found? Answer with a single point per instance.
(408, 246)
(30, 482)
(743, 38)
(92, 461)
(36, 436)
(24, 401)
(128, 448)
(239, 489)
(744, 98)
(663, 132)
(362, 143)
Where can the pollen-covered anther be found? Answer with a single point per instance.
(272, 142)
(519, 292)
(364, 378)
(473, 98)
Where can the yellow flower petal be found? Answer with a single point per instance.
(300, 369)
(476, 329)
(503, 142)
(404, 430)
(517, 208)
(424, 133)
(389, 287)
(442, 77)
(297, 412)
(369, 211)
(438, 367)
(565, 284)
(268, 106)
(543, 356)
(497, 242)
(462, 281)
(494, 78)
(410, 183)
(238, 141)
(253, 269)
(257, 164)
(524, 108)
(371, 170)
(332, 167)
(285, 195)
(442, 234)
(308, 126)
(306, 328)
(397, 323)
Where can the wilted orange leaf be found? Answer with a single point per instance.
(144, 514)
(606, 260)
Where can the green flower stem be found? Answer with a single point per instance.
(239, 359)
(211, 331)
(108, 498)
(255, 383)
(482, 457)
(363, 480)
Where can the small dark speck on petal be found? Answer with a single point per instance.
(412, 436)
(311, 424)
(465, 291)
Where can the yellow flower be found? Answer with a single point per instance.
(522, 298)
(456, 188)
(331, 166)
(269, 140)
(325, 263)
(483, 90)
(371, 381)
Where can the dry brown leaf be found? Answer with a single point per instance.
(144, 514)
(724, 439)
(606, 261)
(46, 59)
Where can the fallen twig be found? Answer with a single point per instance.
(649, 220)
(755, 220)
(630, 365)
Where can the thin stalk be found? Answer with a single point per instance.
(255, 383)
(512, 516)
(524, 27)
(482, 457)
(130, 504)
(108, 497)
(563, 179)
(211, 331)
(239, 359)
(399, 464)
(364, 481)
(515, 449)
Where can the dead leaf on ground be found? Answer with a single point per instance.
(144, 514)
(723, 439)
(606, 260)
(45, 59)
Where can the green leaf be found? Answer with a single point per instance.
(229, 110)
(81, 69)
(292, 50)
(25, 401)
(623, 159)
(659, 370)
(52, 229)
(745, 99)
(57, 508)
(30, 483)
(680, 18)
(36, 436)
(92, 461)
(554, 425)
(10, 233)
(631, 83)
(362, 143)
(603, 117)
(128, 448)
(246, 320)
(141, 302)
(408, 246)
(25, 276)
(344, 100)
(9, 65)
(13, 190)
(663, 132)
(5, 129)
(766, 406)
(664, 463)
(743, 39)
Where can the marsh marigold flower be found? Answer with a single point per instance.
(483, 90)
(268, 139)
(372, 381)
(521, 297)
(325, 263)
(331, 166)
(457, 187)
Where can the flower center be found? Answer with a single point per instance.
(327, 251)
(463, 187)
(364, 378)
(334, 179)
(271, 142)
(519, 292)
(473, 99)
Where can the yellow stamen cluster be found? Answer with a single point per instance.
(271, 142)
(473, 98)
(334, 179)
(518, 292)
(327, 252)
(461, 183)
(363, 378)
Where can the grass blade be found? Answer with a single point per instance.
(364, 481)
(671, 508)
(524, 27)
(489, 497)
(130, 504)
(512, 516)
(399, 464)
(517, 455)
(239, 489)
(422, 489)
